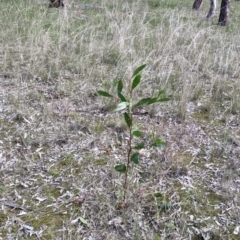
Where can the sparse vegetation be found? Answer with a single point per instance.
(60, 141)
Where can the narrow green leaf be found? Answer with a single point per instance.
(139, 69)
(136, 81)
(123, 99)
(135, 157)
(160, 92)
(163, 99)
(121, 106)
(152, 100)
(120, 86)
(158, 143)
(141, 102)
(136, 134)
(84, 221)
(128, 120)
(121, 168)
(139, 146)
(104, 94)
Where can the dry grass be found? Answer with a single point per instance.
(59, 141)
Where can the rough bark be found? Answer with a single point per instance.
(224, 13)
(197, 4)
(56, 3)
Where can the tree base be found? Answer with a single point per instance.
(56, 3)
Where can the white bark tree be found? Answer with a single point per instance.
(224, 10)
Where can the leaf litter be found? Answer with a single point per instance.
(57, 177)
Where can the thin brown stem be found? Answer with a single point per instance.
(125, 185)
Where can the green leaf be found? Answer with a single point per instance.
(84, 221)
(158, 143)
(128, 120)
(104, 94)
(120, 86)
(163, 99)
(139, 146)
(123, 99)
(136, 81)
(121, 106)
(135, 157)
(152, 100)
(136, 134)
(119, 90)
(160, 92)
(121, 168)
(158, 195)
(164, 206)
(142, 102)
(139, 69)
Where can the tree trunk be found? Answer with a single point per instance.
(197, 4)
(56, 3)
(213, 5)
(224, 13)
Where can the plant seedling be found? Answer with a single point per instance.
(127, 105)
